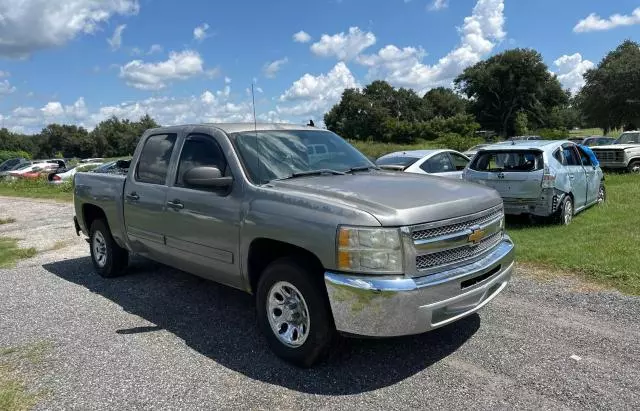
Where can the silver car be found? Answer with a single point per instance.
(540, 178)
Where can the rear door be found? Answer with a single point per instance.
(145, 196)
(577, 174)
(515, 174)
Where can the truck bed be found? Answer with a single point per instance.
(105, 191)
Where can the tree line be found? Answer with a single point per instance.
(511, 93)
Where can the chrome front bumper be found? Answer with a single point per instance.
(394, 306)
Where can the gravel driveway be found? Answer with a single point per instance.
(160, 338)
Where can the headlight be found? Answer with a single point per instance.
(370, 250)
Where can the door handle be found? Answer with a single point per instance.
(133, 196)
(175, 204)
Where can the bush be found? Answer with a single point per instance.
(6, 155)
(553, 134)
(457, 142)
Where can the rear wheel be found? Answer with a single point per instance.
(293, 312)
(634, 167)
(109, 259)
(565, 214)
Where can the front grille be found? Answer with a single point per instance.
(455, 228)
(456, 255)
(609, 155)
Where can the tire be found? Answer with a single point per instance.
(109, 259)
(634, 167)
(304, 349)
(566, 211)
(602, 195)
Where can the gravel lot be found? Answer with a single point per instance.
(160, 338)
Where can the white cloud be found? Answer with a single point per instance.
(314, 95)
(570, 71)
(200, 32)
(593, 22)
(271, 69)
(301, 37)
(4, 74)
(155, 48)
(227, 80)
(6, 87)
(206, 107)
(154, 76)
(27, 26)
(344, 46)
(116, 39)
(478, 36)
(439, 5)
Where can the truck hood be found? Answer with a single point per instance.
(615, 147)
(397, 199)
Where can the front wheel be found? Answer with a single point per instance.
(634, 167)
(109, 259)
(602, 195)
(293, 312)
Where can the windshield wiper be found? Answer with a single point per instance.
(321, 172)
(362, 168)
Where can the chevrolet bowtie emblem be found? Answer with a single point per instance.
(476, 236)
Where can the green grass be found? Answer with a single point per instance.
(585, 132)
(14, 393)
(7, 220)
(36, 189)
(601, 244)
(10, 253)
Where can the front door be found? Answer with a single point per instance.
(577, 175)
(145, 195)
(593, 177)
(203, 225)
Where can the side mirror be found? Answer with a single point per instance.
(206, 177)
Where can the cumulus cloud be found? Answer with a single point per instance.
(593, 22)
(404, 67)
(570, 71)
(6, 87)
(27, 26)
(200, 32)
(155, 76)
(314, 95)
(271, 69)
(116, 39)
(344, 46)
(301, 37)
(439, 5)
(209, 106)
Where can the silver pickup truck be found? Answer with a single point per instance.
(623, 154)
(325, 244)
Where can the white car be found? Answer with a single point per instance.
(67, 175)
(443, 163)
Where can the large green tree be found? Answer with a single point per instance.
(509, 83)
(611, 96)
(444, 102)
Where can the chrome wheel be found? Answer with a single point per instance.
(635, 168)
(288, 314)
(99, 249)
(601, 195)
(568, 212)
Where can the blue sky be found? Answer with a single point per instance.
(194, 60)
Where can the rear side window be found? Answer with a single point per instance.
(440, 163)
(508, 161)
(153, 164)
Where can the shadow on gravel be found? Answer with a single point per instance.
(220, 323)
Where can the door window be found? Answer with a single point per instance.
(200, 151)
(586, 160)
(439, 163)
(459, 162)
(153, 164)
(571, 156)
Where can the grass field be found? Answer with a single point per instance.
(601, 243)
(36, 189)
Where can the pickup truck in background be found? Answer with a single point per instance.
(623, 154)
(325, 246)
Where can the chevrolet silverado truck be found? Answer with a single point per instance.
(623, 154)
(326, 245)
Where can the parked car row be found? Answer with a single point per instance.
(56, 171)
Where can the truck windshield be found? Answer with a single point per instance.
(512, 161)
(278, 154)
(629, 138)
